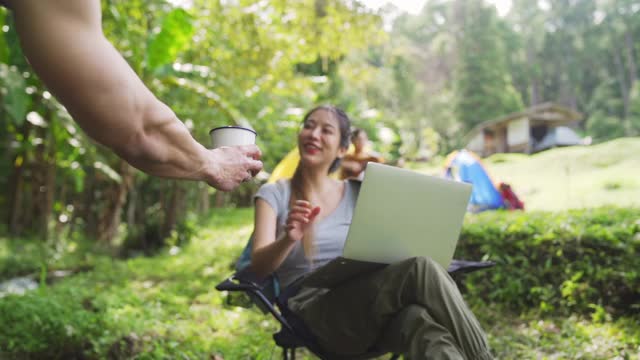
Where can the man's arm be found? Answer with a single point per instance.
(64, 42)
(351, 164)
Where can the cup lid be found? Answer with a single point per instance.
(232, 127)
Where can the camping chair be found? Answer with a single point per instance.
(293, 333)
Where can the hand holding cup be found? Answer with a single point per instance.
(237, 158)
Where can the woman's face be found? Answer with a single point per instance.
(319, 139)
(360, 141)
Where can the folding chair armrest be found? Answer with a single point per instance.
(234, 284)
(465, 266)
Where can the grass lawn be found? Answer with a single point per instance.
(571, 177)
(166, 307)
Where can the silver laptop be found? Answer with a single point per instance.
(399, 214)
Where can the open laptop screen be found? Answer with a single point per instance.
(402, 213)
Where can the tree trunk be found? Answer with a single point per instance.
(567, 87)
(39, 210)
(62, 197)
(16, 187)
(170, 210)
(131, 207)
(221, 199)
(16, 197)
(173, 209)
(203, 207)
(86, 207)
(624, 89)
(50, 189)
(633, 69)
(49, 177)
(534, 89)
(110, 219)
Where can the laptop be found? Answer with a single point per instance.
(399, 214)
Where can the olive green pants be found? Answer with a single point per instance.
(411, 307)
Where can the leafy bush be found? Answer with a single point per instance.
(159, 307)
(45, 324)
(166, 306)
(152, 236)
(574, 262)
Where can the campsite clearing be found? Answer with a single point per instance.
(569, 177)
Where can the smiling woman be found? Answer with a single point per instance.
(322, 142)
(302, 224)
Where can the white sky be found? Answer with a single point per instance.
(414, 6)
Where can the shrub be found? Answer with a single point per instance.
(45, 324)
(575, 261)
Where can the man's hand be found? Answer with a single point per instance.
(352, 165)
(233, 165)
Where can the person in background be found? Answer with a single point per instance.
(353, 165)
(64, 43)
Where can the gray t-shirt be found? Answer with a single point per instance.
(330, 232)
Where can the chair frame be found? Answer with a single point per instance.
(288, 338)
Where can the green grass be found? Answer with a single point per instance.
(166, 307)
(534, 337)
(167, 304)
(569, 178)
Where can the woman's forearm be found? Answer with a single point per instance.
(267, 259)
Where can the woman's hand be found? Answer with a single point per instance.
(301, 216)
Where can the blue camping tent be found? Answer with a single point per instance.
(465, 166)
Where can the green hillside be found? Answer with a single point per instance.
(570, 177)
(573, 177)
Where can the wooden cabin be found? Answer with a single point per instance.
(534, 129)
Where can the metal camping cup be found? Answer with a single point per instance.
(232, 136)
